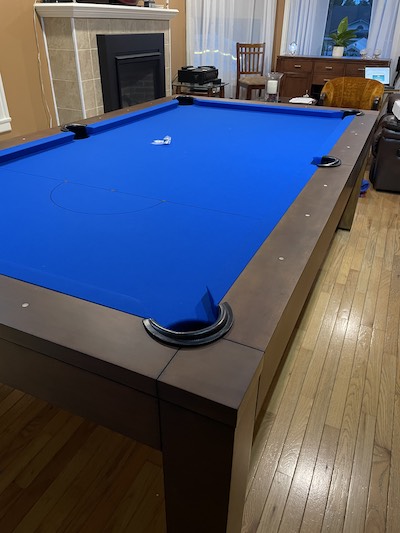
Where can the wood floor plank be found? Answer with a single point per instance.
(366, 267)
(371, 294)
(19, 457)
(129, 503)
(322, 387)
(393, 312)
(374, 372)
(268, 461)
(393, 508)
(294, 438)
(384, 422)
(9, 398)
(105, 499)
(14, 500)
(339, 393)
(382, 302)
(360, 476)
(316, 501)
(38, 513)
(348, 295)
(299, 489)
(338, 493)
(275, 504)
(378, 490)
(151, 505)
(333, 261)
(58, 430)
(311, 336)
(348, 255)
(261, 482)
(358, 257)
(106, 457)
(18, 416)
(158, 524)
(261, 437)
(390, 247)
(18, 502)
(285, 372)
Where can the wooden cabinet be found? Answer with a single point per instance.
(326, 71)
(298, 72)
(308, 74)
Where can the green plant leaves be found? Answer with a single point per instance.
(343, 36)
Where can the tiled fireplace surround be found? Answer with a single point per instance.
(70, 36)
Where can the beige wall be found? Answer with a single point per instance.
(178, 36)
(20, 70)
(280, 10)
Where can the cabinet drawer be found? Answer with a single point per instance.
(357, 68)
(354, 69)
(321, 79)
(331, 69)
(290, 64)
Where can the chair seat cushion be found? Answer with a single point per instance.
(253, 80)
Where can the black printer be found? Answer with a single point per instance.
(198, 75)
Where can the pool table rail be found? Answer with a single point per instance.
(270, 294)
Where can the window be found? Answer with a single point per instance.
(358, 13)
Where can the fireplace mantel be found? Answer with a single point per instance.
(70, 31)
(106, 11)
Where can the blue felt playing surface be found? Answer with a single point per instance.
(147, 228)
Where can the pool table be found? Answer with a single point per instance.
(154, 263)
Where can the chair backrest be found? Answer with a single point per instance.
(250, 58)
(358, 93)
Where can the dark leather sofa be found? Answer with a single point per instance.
(385, 165)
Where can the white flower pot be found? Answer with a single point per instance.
(337, 51)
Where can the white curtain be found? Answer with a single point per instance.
(395, 50)
(384, 31)
(382, 26)
(304, 23)
(215, 26)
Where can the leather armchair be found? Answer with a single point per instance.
(384, 172)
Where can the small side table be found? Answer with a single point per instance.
(206, 89)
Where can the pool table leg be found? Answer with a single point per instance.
(346, 220)
(206, 464)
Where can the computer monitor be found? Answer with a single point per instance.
(381, 74)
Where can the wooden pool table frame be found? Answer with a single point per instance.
(198, 406)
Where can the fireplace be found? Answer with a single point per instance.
(132, 69)
(70, 31)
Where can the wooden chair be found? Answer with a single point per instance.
(356, 93)
(250, 68)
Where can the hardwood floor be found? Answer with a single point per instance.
(59, 472)
(326, 454)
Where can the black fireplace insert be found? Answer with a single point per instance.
(132, 69)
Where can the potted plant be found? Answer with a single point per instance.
(342, 38)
